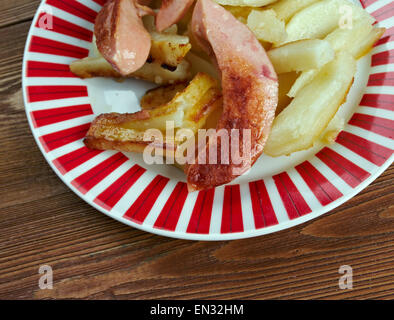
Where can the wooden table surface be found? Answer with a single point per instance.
(94, 257)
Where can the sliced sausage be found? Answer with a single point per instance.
(250, 92)
(121, 36)
(171, 12)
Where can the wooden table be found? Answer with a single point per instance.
(95, 257)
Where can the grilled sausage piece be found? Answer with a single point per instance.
(250, 92)
(171, 12)
(121, 36)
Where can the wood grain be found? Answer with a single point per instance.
(93, 256)
(15, 11)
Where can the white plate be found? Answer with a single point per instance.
(275, 195)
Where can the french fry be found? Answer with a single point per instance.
(301, 55)
(365, 46)
(160, 96)
(286, 9)
(334, 128)
(241, 13)
(321, 18)
(358, 40)
(303, 79)
(169, 49)
(188, 109)
(91, 67)
(266, 26)
(301, 124)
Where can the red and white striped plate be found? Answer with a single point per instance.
(275, 195)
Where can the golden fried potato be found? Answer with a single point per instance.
(334, 128)
(286, 9)
(188, 109)
(358, 40)
(303, 79)
(162, 95)
(241, 13)
(266, 26)
(154, 72)
(321, 18)
(301, 55)
(364, 47)
(301, 124)
(169, 49)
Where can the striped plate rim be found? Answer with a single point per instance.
(59, 113)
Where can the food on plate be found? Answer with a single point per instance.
(162, 95)
(299, 125)
(275, 72)
(301, 55)
(250, 94)
(151, 71)
(321, 18)
(169, 49)
(114, 24)
(303, 79)
(171, 12)
(241, 13)
(286, 9)
(187, 109)
(266, 26)
(357, 41)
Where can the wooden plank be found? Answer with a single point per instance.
(15, 11)
(93, 256)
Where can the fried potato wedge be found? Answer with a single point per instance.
(169, 49)
(245, 3)
(241, 13)
(301, 55)
(188, 109)
(286, 9)
(363, 47)
(162, 95)
(321, 18)
(301, 124)
(358, 40)
(266, 26)
(334, 128)
(303, 79)
(91, 67)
